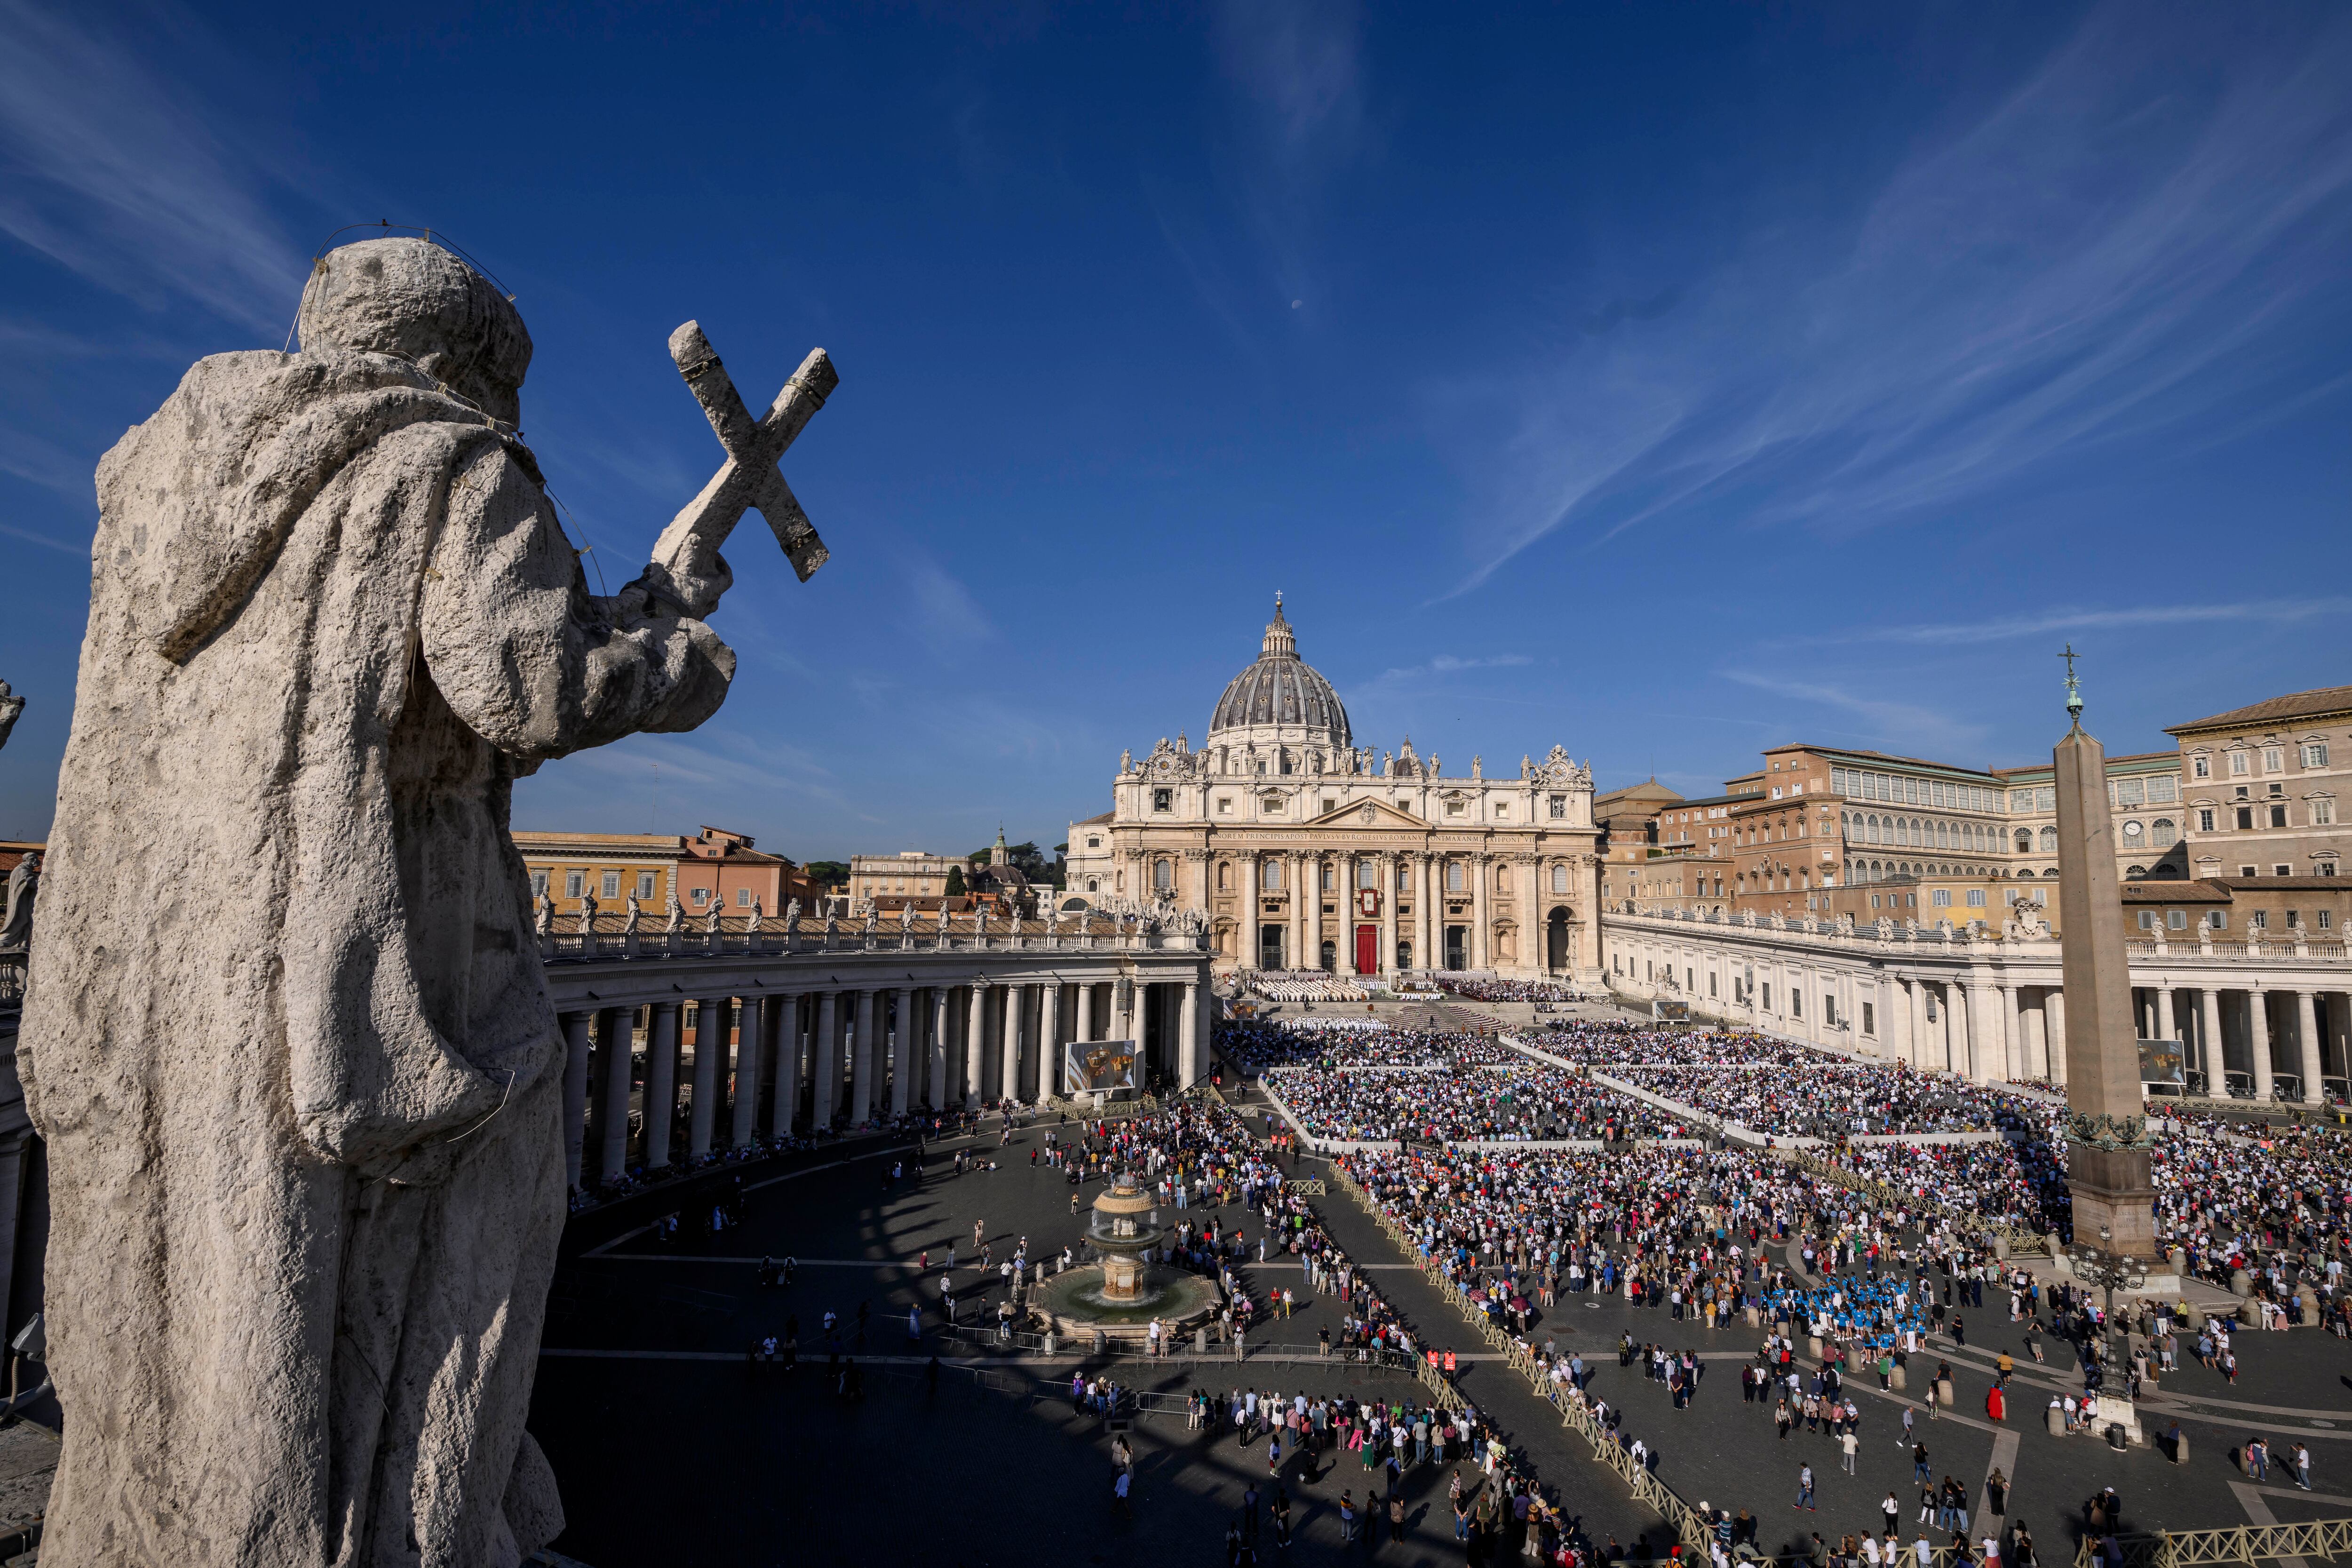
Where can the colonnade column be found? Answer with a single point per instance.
(1082, 1025)
(896, 1003)
(824, 1059)
(661, 1083)
(784, 1102)
(576, 1090)
(618, 1025)
(1189, 1069)
(2053, 1008)
(2213, 1049)
(2034, 1046)
(1009, 1055)
(709, 1051)
(751, 1022)
(2165, 1026)
(2306, 1039)
(2258, 1035)
(935, 1078)
(863, 1059)
(975, 1042)
(1918, 1023)
(1049, 1043)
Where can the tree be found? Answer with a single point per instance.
(828, 873)
(955, 883)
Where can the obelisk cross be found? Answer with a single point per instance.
(2074, 688)
(749, 479)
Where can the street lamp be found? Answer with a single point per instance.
(2104, 1270)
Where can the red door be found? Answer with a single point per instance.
(1368, 950)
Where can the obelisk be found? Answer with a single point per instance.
(2106, 1129)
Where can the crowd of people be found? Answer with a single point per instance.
(1833, 1098)
(1480, 988)
(1304, 985)
(1522, 1102)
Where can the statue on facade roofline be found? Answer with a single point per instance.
(792, 915)
(629, 919)
(587, 911)
(544, 918)
(676, 912)
(757, 912)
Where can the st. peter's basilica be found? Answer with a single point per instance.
(1414, 869)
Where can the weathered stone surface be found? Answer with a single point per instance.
(287, 1032)
(11, 707)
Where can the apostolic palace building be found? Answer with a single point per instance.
(1304, 851)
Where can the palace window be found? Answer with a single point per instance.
(2205, 822)
(2238, 765)
(2260, 920)
(2278, 817)
(2201, 766)
(1976, 898)
(645, 884)
(538, 884)
(574, 883)
(742, 898)
(2050, 841)
(2162, 835)
(2176, 919)
(701, 896)
(2163, 791)
(612, 885)
(1368, 874)
(1093, 842)
(2314, 754)
(2274, 759)
(2127, 792)
(2323, 812)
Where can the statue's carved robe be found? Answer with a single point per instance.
(288, 1034)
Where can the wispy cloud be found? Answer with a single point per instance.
(946, 615)
(1891, 723)
(1301, 64)
(120, 174)
(2139, 239)
(2044, 623)
(1449, 664)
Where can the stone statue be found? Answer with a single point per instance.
(587, 912)
(307, 1173)
(1126, 762)
(872, 918)
(710, 920)
(24, 889)
(11, 705)
(629, 919)
(753, 923)
(1477, 767)
(544, 921)
(676, 912)
(792, 915)
(943, 917)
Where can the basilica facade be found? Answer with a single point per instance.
(1304, 851)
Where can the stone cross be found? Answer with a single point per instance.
(689, 547)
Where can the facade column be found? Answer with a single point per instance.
(1246, 864)
(575, 1092)
(710, 1052)
(661, 1083)
(824, 1059)
(1311, 954)
(618, 1027)
(1343, 941)
(752, 1023)
(1295, 957)
(2164, 1027)
(784, 1105)
(1481, 872)
(865, 1059)
(1384, 873)
(1083, 1027)
(2306, 1039)
(975, 1041)
(2258, 1036)
(1532, 929)
(1429, 951)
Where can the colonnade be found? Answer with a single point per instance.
(721, 1071)
(1990, 1010)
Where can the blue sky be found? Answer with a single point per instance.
(1665, 382)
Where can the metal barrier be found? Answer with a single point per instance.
(2240, 1544)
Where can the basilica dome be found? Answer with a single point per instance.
(1282, 690)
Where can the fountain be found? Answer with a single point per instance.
(1123, 1293)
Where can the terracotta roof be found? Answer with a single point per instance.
(2294, 705)
(1090, 821)
(2201, 891)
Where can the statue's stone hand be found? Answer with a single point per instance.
(693, 581)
